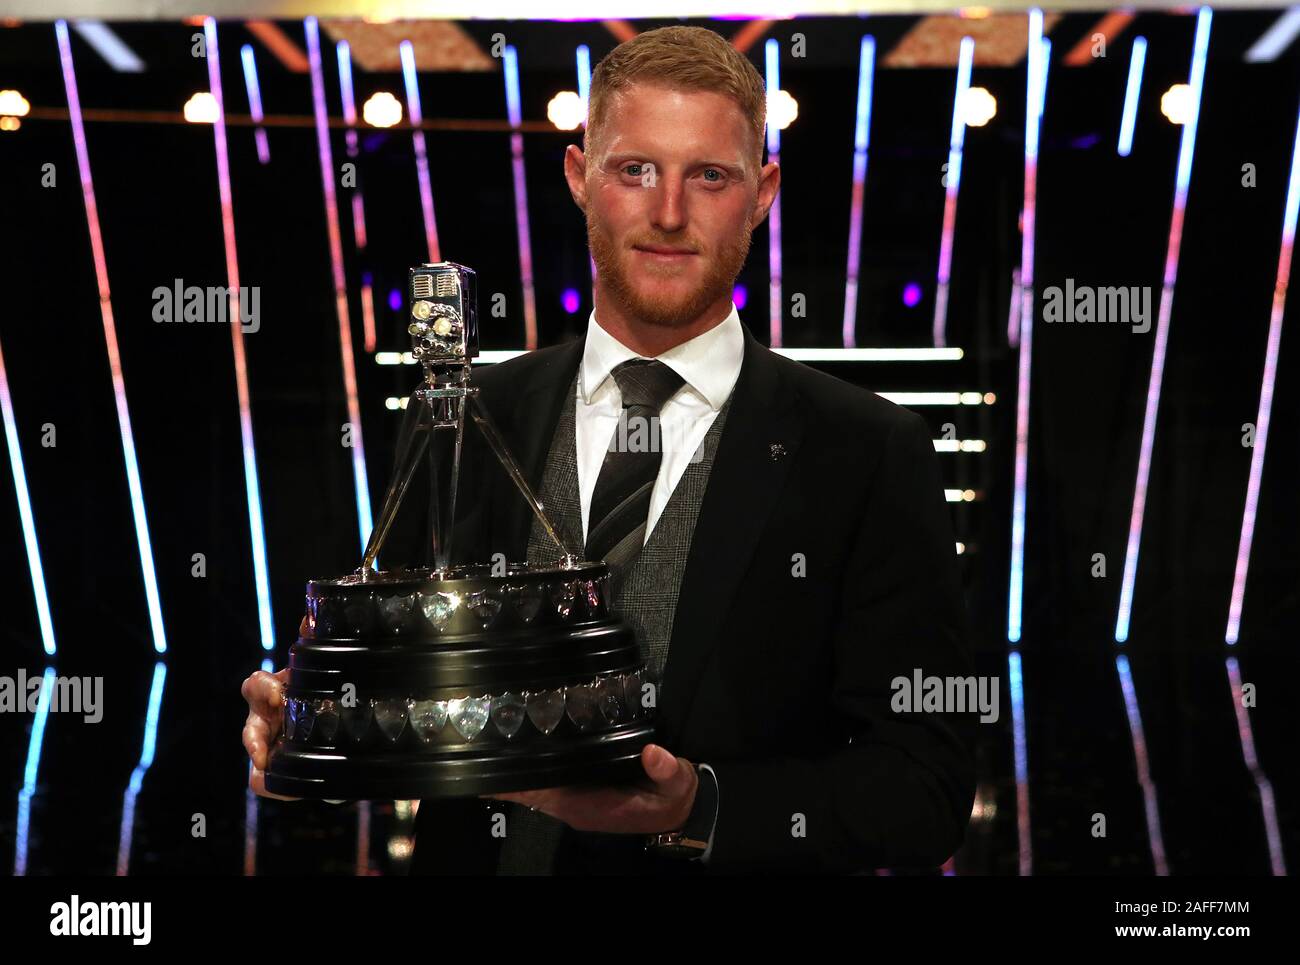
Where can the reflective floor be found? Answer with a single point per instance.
(157, 785)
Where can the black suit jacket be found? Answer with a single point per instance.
(781, 682)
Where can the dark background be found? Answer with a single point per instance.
(1102, 220)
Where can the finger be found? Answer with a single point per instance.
(272, 691)
(263, 691)
(257, 783)
(256, 741)
(660, 764)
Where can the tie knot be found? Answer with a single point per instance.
(646, 382)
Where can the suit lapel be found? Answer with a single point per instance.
(763, 431)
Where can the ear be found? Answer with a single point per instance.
(769, 183)
(575, 172)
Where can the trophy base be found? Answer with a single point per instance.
(461, 683)
(610, 758)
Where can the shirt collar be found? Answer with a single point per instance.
(709, 363)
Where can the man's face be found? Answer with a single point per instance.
(672, 194)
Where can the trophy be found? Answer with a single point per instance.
(457, 680)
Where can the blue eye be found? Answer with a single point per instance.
(634, 174)
(714, 171)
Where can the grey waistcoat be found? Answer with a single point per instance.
(644, 595)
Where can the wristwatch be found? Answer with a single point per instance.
(691, 840)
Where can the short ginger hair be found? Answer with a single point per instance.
(680, 58)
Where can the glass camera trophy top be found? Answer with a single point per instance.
(457, 680)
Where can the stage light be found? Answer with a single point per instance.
(493, 356)
(584, 77)
(134, 486)
(1107, 30)
(1044, 59)
(367, 301)
(1142, 765)
(256, 529)
(566, 110)
(395, 300)
(928, 398)
(328, 174)
(1176, 103)
(1262, 419)
(772, 57)
(382, 110)
(1189, 109)
(952, 184)
(978, 106)
(275, 40)
(523, 233)
(861, 144)
(1129, 118)
(911, 294)
(14, 104)
(1182, 179)
(874, 355)
(34, 743)
(255, 102)
(109, 46)
(739, 296)
(201, 108)
(1276, 39)
(10, 123)
(1264, 414)
(974, 13)
(1267, 804)
(344, 56)
(570, 300)
(127, 831)
(25, 515)
(1022, 311)
(1019, 748)
(583, 55)
(411, 79)
(401, 847)
(782, 109)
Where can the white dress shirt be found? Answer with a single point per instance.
(709, 364)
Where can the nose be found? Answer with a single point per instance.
(668, 207)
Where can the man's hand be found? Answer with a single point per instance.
(264, 693)
(662, 802)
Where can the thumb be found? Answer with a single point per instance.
(660, 764)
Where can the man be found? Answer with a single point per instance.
(784, 556)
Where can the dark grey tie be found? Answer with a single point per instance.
(620, 505)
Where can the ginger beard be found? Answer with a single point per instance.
(613, 273)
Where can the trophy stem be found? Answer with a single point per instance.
(483, 419)
(412, 445)
(444, 491)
